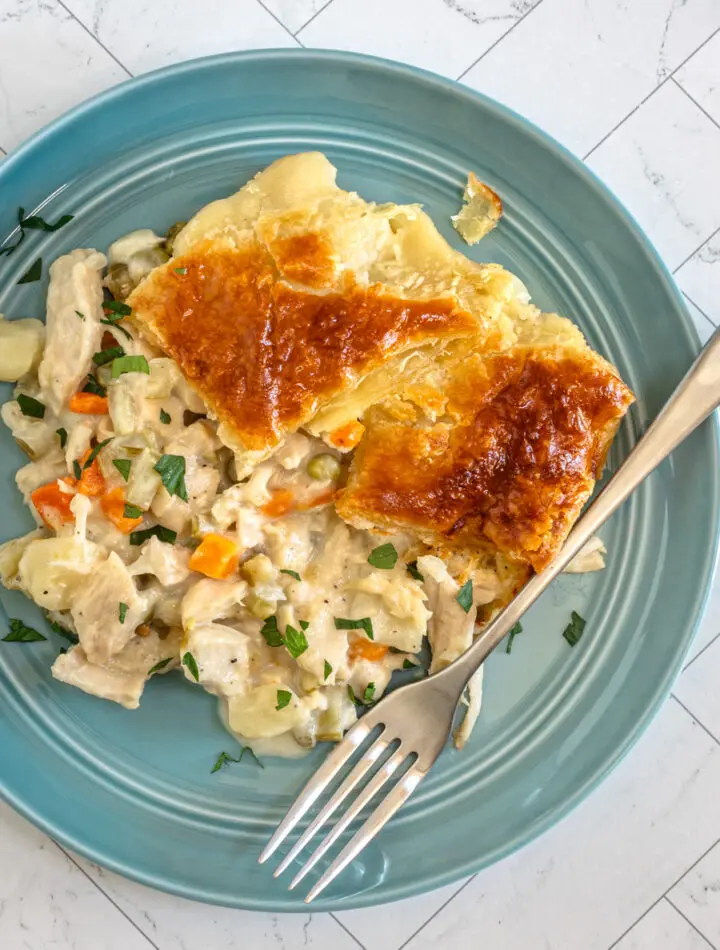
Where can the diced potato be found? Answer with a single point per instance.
(10, 554)
(21, 343)
(255, 715)
(52, 570)
(34, 436)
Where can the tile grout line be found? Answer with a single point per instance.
(340, 923)
(498, 40)
(624, 119)
(714, 325)
(687, 919)
(441, 908)
(690, 663)
(697, 249)
(664, 895)
(313, 17)
(278, 20)
(97, 40)
(695, 719)
(695, 102)
(104, 893)
(652, 93)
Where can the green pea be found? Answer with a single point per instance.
(323, 467)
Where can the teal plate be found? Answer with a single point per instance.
(133, 790)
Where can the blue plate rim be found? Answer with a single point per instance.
(711, 560)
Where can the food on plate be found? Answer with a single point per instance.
(277, 448)
(480, 213)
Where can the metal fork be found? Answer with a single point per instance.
(414, 722)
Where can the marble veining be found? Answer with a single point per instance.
(634, 85)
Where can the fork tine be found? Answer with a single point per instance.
(369, 758)
(375, 823)
(315, 787)
(371, 789)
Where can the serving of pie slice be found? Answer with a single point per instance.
(483, 424)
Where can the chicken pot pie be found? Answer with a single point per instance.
(279, 447)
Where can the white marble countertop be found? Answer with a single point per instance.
(632, 87)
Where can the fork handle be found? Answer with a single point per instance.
(697, 395)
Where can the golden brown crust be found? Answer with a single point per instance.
(264, 354)
(509, 467)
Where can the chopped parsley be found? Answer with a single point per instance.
(342, 623)
(270, 631)
(21, 633)
(408, 664)
(574, 629)
(367, 696)
(224, 759)
(107, 355)
(77, 471)
(327, 669)
(294, 574)
(165, 417)
(94, 454)
(465, 596)
(159, 666)
(63, 632)
(283, 698)
(93, 386)
(62, 435)
(116, 309)
(189, 661)
(129, 364)
(385, 557)
(295, 641)
(513, 632)
(132, 511)
(78, 314)
(180, 270)
(123, 466)
(30, 406)
(171, 469)
(33, 223)
(413, 571)
(36, 223)
(122, 612)
(158, 531)
(304, 624)
(33, 273)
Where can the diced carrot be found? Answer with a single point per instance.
(89, 404)
(91, 481)
(281, 503)
(143, 630)
(215, 556)
(347, 436)
(361, 648)
(113, 505)
(53, 504)
(324, 498)
(108, 341)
